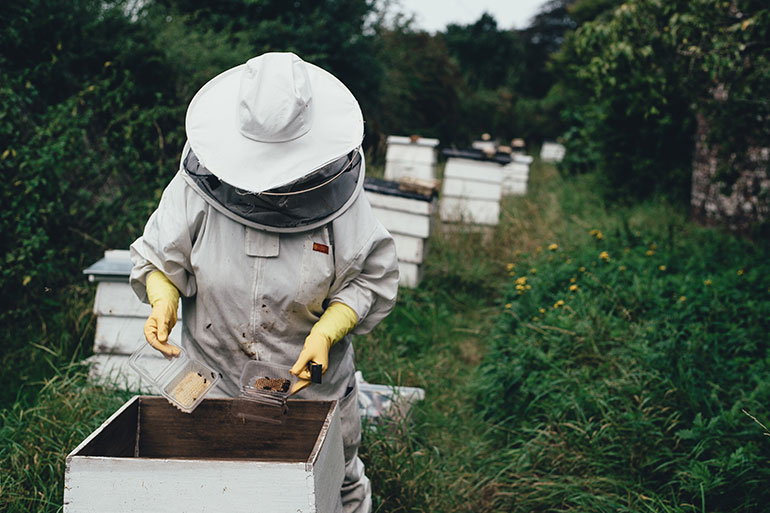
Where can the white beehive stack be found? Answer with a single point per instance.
(408, 217)
(120, 318)
(552, 152)
(413, 157)
(472, 188)
(516, 175)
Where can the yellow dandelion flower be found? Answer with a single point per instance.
(538, 249)
(558, 303)
(519, 287)
(542, 310)
(707, 282)
(512, 273)
(592, 233)
(599, 235)
(573, 288)
(509, 267)
(649, 252)
(535, 318)
(572, 280)
(521, 281)
(662, 267)
(533, 271)
(682, 299)
(528, 286)
(107, 64)
(622, 268)
(507, 305)
(582, 269)
(553, 247)
(604, 256)
(740, 272)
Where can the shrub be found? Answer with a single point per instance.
(621, 367)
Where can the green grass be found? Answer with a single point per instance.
(623, 398)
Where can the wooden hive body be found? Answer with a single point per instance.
(407, 158)
(471, 191)
(409, 219)
(120, 318)
(148, 456)
(516, 175)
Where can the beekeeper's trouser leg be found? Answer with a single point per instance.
(356, 489)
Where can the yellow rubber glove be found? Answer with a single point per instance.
(336, 322)
(164, 298)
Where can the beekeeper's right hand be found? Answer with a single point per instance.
(164, 298)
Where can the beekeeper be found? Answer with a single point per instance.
(266, 235)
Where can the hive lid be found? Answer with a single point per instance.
(391, 188)
(114, 266)
(475, 154)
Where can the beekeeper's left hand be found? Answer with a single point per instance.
(336, 322)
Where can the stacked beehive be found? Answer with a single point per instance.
(408, 216)
(413, 157)
(472, 187)
(552, 152)
(516, 175)
(120, 318)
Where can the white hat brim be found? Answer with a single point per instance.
(212, 130)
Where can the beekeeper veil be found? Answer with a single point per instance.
(275, 144)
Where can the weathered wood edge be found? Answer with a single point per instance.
(312, 460)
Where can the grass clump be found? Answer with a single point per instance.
(622, 363)
(37, 439)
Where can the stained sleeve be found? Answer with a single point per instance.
(167, 240)
(367, 266)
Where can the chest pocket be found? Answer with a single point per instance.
(317, 269)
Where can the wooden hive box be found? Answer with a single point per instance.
(120, 318)
(471, 190)
(410, 157)
(516, 175)
(408, 216)
(552, 152)
(149, 456)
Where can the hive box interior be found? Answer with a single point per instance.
(211, 459)
(152, 428)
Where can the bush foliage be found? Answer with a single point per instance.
(624, 367)
(642, 71)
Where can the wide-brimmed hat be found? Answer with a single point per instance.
(272, 121)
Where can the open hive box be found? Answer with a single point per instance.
(149, 456)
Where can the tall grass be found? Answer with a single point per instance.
(623, 394)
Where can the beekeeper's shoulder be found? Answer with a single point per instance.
(358, 222)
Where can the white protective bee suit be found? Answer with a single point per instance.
(254, 291)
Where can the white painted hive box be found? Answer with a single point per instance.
(471, 191)
(120, 318)
(405, 157)
(516, 175)
(149, 456)
(552, 152)
(408, 217)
